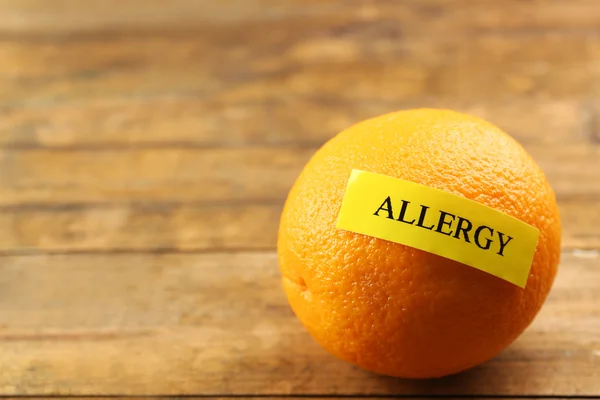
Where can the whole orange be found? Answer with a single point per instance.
(393, 309)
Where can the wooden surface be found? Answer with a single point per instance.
(146, 148)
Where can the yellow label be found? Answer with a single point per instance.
(439, 222)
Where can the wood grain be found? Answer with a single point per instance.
(219, 324)
(156, 227)
(279, 59)
(190, 122)
(41, 176)
(458, 16)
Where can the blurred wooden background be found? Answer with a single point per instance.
(146, 148)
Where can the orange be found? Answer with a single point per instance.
(393, 309)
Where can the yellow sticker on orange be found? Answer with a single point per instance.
(439, 222)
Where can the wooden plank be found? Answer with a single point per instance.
(48, 177)
(460, 16)
(580, 223)
(212, 175)
(195, 227)
(215, 175)
(219, 324)
(146, 227)
(315, 59)
(190, 122)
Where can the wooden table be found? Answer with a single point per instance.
(147, 147)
